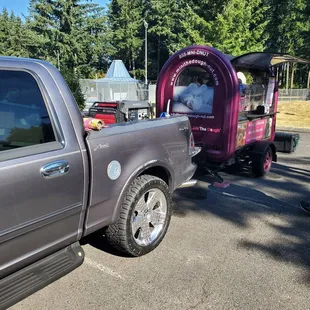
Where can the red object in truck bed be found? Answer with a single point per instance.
(107, 105)
(107, 118)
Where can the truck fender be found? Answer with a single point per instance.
(139, 171)
(260, 147)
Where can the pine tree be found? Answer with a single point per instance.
(239, 27)
(173, 24)
(4, 32)
(126, 23)
(72, 34)
(286, 25)
(303, 48)
(96, 43)
(14, 36)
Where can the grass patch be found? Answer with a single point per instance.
(294, 114)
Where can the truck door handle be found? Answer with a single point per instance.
(55, 169)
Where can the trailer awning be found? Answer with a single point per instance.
(264, 60)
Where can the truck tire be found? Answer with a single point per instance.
(262, 164)
(144, 217)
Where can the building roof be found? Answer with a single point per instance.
(117, 73)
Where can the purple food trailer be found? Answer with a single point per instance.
(231, 103)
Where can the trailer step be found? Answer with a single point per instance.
(27, 281)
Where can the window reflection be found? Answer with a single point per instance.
(24, 120)
(252, 88)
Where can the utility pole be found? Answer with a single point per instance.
(145, 26)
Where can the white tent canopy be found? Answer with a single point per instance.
(117, 73)
(119, 85)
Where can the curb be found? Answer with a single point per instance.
(293, 129)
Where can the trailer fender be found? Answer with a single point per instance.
(260, 147)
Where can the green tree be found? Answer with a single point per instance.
(96, 43)
(126, 24)
(286, 25)
(14, 36)
(239, 27)
(173, 24)
(72, 34)
(305, 31)
(72, 79)
(304, 48)
(4, 32)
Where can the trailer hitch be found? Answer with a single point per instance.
(215, 174)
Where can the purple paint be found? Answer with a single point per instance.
(255, 130)
(215, 128)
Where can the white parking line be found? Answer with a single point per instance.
(102, 268)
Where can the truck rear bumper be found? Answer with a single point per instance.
(189, 183)
(186, 177)
(196, 151)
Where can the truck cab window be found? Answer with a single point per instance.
(24, 120)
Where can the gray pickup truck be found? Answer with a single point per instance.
(59, 183)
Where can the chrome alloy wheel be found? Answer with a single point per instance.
(149, 217)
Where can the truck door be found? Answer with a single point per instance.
(41, 174)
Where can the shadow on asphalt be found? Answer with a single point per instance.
(239, 204)
(289, 159)
(295, 247)
(98, 241)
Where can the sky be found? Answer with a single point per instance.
(20, 7)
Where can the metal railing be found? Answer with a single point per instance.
(89, 88)
(96, 91)
(294, 94)
(284, 95)
(93, 92)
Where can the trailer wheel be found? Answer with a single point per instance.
(262, 164)
(144, 217)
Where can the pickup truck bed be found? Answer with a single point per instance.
(127, 144)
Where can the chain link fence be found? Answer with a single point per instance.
(152, 93)
(284, 95)
(101, 91)
(89, 88)
(294, 94)
(96, 91)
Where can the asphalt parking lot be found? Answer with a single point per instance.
(243, 247)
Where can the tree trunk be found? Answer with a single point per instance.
(158, 55)
(292, 79)
(282, 74)
(287, 74)
(133, 67)
(279, 76)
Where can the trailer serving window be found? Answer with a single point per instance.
(193, 91)
(253, 90)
